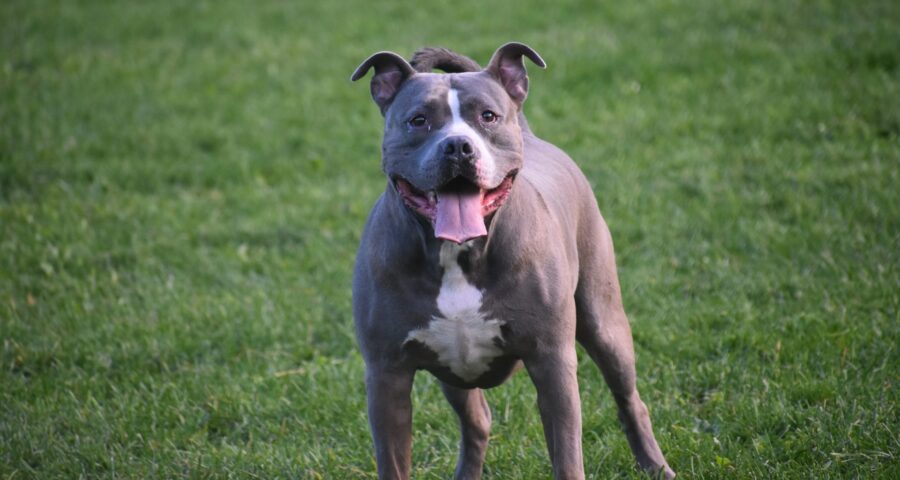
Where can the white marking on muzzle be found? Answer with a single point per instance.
(462, 336)
(485, 165)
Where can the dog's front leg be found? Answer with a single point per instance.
(554, 376)
(390, 417)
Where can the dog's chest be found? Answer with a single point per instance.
(464, 337)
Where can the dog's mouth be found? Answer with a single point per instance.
(457, 209)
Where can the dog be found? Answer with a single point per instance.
(486, 252)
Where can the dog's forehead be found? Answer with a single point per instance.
(425, 88)
(475, 83)
(421, 89)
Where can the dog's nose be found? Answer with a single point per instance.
(458, 148)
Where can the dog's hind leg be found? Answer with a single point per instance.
(603, 331)
(475, 425)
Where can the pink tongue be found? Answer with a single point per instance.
(458, 217)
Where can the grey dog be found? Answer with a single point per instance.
(485, 252)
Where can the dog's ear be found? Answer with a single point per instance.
(508, 68)
(391, 70)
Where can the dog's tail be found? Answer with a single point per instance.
(428, 58)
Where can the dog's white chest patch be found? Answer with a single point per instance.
(462, 336)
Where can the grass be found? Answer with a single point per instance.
(183, 185)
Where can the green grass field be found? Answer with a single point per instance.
(183, 186)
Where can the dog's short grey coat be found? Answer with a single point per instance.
(472, 308)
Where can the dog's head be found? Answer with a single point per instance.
(452, 142)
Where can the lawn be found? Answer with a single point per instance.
(183, 186)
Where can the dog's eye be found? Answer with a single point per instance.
(488, 116)
(418, 121)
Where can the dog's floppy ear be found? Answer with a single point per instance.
(391, 70)
(508, 68)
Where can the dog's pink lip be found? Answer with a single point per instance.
(425, 202)
(495, 198)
